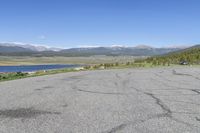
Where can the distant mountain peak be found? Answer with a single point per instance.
(38, 48)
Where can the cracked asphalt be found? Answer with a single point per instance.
(154, 100)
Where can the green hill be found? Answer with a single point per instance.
(190, 55)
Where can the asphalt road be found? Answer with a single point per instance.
(158, 100)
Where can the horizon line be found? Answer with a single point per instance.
(96, 46)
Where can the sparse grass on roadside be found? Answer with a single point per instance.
(12, 76)
(19, 75)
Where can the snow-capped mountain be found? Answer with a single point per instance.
(29, 47)
(114, 50)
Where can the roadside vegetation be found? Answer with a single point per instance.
(11, 76)
(19, 75)
(190, 56)
(116, 65)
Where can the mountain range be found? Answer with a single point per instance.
(14, 49)
(26, 47)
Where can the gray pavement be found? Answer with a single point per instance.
(156, 100)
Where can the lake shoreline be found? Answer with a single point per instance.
(35, 68)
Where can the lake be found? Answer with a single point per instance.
(33, 68)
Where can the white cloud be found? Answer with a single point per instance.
(178, 46)
(118, 45)
(42, 37)
(88, 46)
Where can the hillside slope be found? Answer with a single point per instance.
(190, 55)
(11, 49)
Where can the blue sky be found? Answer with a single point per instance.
(72, 23)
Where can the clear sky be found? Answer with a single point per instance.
(72, 23)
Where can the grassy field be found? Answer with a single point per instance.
(4, 60)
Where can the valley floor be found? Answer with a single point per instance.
(26, 60)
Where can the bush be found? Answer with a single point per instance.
(86, 67)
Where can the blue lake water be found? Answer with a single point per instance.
(32, 68)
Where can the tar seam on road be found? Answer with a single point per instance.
(24, 113)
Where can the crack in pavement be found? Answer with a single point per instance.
(44, 88)
(184, 102)
(182, 122)
(166, 110)
(164, 107)
(198, 119)
(98, 92)
(117, 128)
(124, 125)
(196, 91)
(48, 87)
(185, 113)
(167, 113)
(170, 86)
(184, 74)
